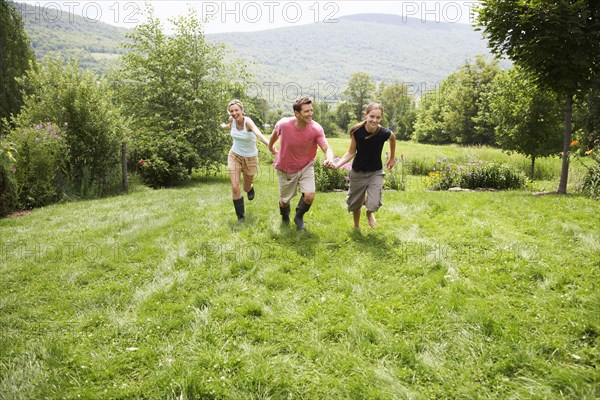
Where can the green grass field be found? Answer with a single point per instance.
(160, 294)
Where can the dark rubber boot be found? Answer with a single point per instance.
(239, 209)
(285, 214)
(251, 193)
(301, 209)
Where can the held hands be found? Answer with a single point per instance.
(330, 164)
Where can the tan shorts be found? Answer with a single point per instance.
(361, 183)
(245, 165)
(304, 179)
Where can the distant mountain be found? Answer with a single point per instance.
(51, 30)
(320, 58)
(315, 60)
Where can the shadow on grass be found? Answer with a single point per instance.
(303, 243)
(372, 242)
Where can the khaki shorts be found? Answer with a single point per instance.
(245, 165)
(361, 183)
(304, 179)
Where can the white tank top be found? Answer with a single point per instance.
(244, 142)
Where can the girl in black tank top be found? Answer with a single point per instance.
(366, 177)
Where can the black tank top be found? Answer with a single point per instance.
(368, 151)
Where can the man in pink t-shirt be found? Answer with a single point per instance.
(300, 136)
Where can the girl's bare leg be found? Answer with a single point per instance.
(371, 219)
(356, 215)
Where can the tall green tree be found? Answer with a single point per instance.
(175, 88)
(16, 54)
(359, 92)
(557, 41)
(400, 109)
(429, 122)
(345, 115)
(451, 113)
(326, 117)
(527, 117)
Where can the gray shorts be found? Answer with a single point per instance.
(304, 179)
(361, 183)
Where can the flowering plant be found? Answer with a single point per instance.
(395, 178)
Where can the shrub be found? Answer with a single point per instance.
(476, 175)
(162, 159)
(492, 176)
(328, 179)
(591, 181)
(8, 187)
(39, 167)
(92, 126)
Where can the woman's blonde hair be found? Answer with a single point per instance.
(235, 101)
(370, 107)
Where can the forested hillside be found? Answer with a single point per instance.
(384, 46)
(315, 60)
(95, 44)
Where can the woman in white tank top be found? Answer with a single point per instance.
(243, 156)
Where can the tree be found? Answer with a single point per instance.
(557, 41)
(400, 109)
(257, 109)
(326, 118)
(451, 113)
(175, 89)
(345, 115)
(359, 92)
(16, 56)
(464, 101)
(527, 117)
(429, 123)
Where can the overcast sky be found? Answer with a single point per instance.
(245, 16)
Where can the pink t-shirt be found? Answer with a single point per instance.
(298, 147)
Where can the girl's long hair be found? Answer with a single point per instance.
(370, 107)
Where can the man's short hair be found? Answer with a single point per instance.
(300, 102)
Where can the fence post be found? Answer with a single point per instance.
(124, 166)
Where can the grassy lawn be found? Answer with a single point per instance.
(161, 295)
